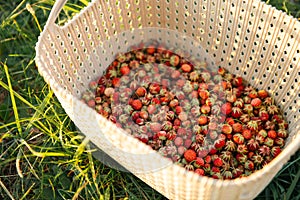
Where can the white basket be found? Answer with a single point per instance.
(248, 38)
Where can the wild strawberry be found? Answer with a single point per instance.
(221, 71)
(200, 172)
(253, 125)
(252, 94)
(155, 127)
(194, 76)
(262, 94)
(109, 91)
(236, 112)
(256, 102)
(248, 108)
(174, 60)
(257, 159)
(218, 162)
(245, 118)
(230, 145)
(202, 120)
(237, 127)
(272, 134)
(247, 134)
(199, 162)
(241, 158)
(269, 142)
(263, 115)
(275, 151)
(154, 88)
(279, 141)
(252, 144)
(249, 165)
(230, 121)
(226, 129)
(238, 138)
(203, 94)
(242, 148)
(205, 109)
(173, 103)
(239, 103)
(282, 133)
(220, 143)
(272, 109)
(264, 150)
(226, 108)
(141, 91)
(125, 70)
(178, 109)
(136, 104)
(161, 135)
(140, 121)
(226, 155)
(190, 155)
(188, 143)
(186, 67)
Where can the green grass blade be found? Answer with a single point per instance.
(293, 185)
(13, 101)
(6, 190)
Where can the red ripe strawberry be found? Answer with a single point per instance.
(154, 88)
(262, 94)
(226, 129)
(199, 162)
(91, 103)
(275, 151)
(272, 134)
(247, 134)
(236, 112)
(204, 94)
(187, 143)
(226, 108)
(237, 81)
(221, 71)
(144, 114)
(136, 104)
(263, 115)
(218, 162)
(237, 127)
(141, 91)
(256, 102)
(186, 67)
(282, 133)
(125, 70)
(178, 109)
(238, 138)
(200, 171)
(207, 159)
(116, 82)
(239, 103)
(219, 143)
(230, 121)
(202, 120)
(252, 94)
(190, 155)
(151, 49)
(205, 109)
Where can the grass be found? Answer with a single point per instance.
(41, 151)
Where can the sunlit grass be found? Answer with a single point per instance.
(42, 154)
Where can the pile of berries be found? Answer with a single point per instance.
(206, 120)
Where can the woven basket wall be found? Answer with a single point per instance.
(248, 38)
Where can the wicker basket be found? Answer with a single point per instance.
(248, 38)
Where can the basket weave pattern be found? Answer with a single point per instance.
(248, 38)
